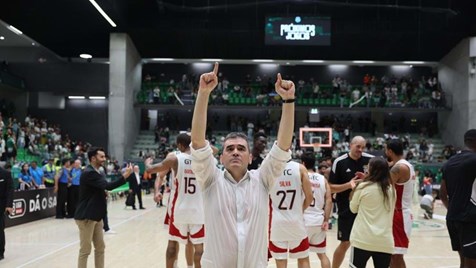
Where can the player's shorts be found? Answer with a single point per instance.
(317, 239)
(344, 226)
(184, 232)
(463, 237)
(402, 229)
(166, 220)
(297, 249)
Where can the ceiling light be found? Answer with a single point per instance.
(212, 60)
(76, 97)
(33, 44)
(313, 61)
(363, 61)
(2, 38)
(262, 60)
(413, 62)
(15, 30)
(103, 13)
(97, 97)
(163, 59)
(85, 56)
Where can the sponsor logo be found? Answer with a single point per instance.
(19, 208)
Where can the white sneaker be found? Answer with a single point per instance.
(110, 232)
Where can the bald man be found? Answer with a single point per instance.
(342, 180)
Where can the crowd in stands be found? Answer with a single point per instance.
(387, 91)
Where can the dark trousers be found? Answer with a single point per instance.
(105, 222)
(2, 231)
(62, 197)
(359, 258)
(73, 197)
(138, 192)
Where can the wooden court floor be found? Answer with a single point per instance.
(141, 241)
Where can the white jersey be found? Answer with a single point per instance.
(405, 190)
(236, 213)
(187, 203)
(314, 214)
(286, 217)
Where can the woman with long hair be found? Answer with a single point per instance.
(373, 200)
(25, 179)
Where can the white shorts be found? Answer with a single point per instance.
(317, 239)
(184, 232)
(297, 249)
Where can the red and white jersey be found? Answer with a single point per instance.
(187, 203)
(405, 190)
(314, 214)
(172, 187)
(286, 215)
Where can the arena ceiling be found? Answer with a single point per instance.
(389, 30)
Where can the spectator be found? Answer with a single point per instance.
(25, 179)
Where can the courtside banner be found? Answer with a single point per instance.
(31, 205)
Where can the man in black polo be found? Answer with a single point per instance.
(342, 180)
(458, 194)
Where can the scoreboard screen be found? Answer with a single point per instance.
(298, 31)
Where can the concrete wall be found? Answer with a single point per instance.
(84, 120)
(125, 72)
(453, 74)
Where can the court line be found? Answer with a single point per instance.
(77, 241)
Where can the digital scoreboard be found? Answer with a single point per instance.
(298, 31)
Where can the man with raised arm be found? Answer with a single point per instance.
(236, 200)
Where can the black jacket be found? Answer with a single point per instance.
(92, 198)
(133, 181)
(6, 189)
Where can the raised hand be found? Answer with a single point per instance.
(285, 88)
(208, 81)
(127, 171)
(148, 162)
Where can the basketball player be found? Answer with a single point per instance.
(186, 209)
(235, 199)
(342, 180)
(403, 176)
(458, 194)
(189, 251)
(289, 197)
(316, 216)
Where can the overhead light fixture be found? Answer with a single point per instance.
(15, 30)
(363, 61)
(33, 43)
(97, 97)
(103, 13)
(85, 56)
(163, 59)
(414, 62)
(262, 60)
(76, 97)
(214, 60)
(2, 38)
(313, 61)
